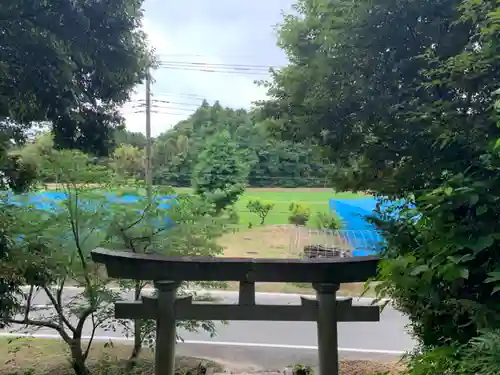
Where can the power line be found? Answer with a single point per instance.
(242, 69)
(140, 103)
(169, 55)
(207, 70)
(218, 65)
(166, 112)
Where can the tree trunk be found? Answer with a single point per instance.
(136, 350)
(78, 359)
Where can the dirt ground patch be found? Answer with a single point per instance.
(276, 241)
(370, 367)
(282, 241)
(50, 357)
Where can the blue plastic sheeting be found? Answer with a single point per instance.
(362, 235)
(51, 200)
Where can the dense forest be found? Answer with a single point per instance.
(272, 162)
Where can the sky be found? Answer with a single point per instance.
(194, 33)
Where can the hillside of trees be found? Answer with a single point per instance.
(272, 162)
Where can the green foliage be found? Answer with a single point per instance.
(91, 63)
(128, 161)
(48, 248)
(302, 370)
(482, 354)
(142, 227)
(272, 162)
(479, 356)
(399, 94)
(393, 113)
(125, 137)
(260, 208)
(327, 220)
(220, 175)
(299, 214)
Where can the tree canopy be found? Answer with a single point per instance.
(70, 63)
(272, 162)
(399, 93)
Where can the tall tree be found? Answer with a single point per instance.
(272, 162)
(400, 93)
(136, 139)
(220, 174)
(394, 90)
(70, 63)
(128, 161)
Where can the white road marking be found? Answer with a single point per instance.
(213, 343)
(226, 293)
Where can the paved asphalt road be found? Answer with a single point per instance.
(276, 344)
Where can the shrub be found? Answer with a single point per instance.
(328, 220)
(299, 215)
(260, 208)
(482, 355)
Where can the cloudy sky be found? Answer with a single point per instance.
(190, 35)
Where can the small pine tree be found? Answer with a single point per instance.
(220, 175)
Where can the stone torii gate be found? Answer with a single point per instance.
(169, 272)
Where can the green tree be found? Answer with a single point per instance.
(399, 94)
(50, 247)
(220, 174)
(128, 161)
(179, 228)
(386, 108)
(261, 209)
(271, 162)
(73, 74)
(123, 136)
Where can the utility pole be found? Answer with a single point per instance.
(148, 174)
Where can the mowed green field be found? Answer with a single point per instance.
(316, 199)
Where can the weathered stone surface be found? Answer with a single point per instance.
(127, 265)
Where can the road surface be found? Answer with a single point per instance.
(276, 344)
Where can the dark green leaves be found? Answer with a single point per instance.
(71, 63)
(220, 174)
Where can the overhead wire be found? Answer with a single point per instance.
(241, 69)
(166, 106)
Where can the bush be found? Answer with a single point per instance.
(328, 220)
(299, 215)
(260, 208)
(481, 355)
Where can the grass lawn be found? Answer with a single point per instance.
(316, 199)
(50, 357)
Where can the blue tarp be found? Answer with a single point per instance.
(361, 234)
(50, 201)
